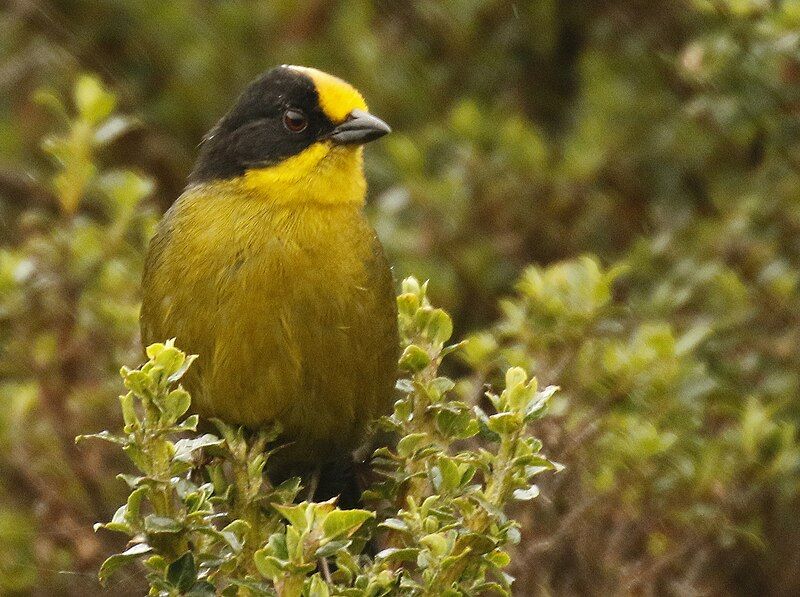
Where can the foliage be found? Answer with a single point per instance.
(665, 454)
(68, 314)
(203, 517)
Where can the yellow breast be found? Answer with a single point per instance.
(289, 304)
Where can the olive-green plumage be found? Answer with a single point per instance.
(274, 277)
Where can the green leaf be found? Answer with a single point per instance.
(515, 376)
(451, 476)
(513, 535)
(182, 573)
(277, 545)
(414, 359)
(404, 385)
(518, 397)
(402, 410)
(411, 285)
(410, 443)
(134, 505)
(157, 563)
(116, 561)
(439, 327)
(483, 422)
(138, 382)
(318, 587)
(504, 422)
(267, 565)
(294, 544)
(105, 436)
(396, 554)
(133, 481)
(394, 524)
(491, 588)
(436, 542)
(471, 430)
(47, 99)
(255, 589)
(479, 542)
(453, 348)
(331, 548)
(189, 424)
(118, 522)
(456, 423)
(181, 371)
(234, 534)
(129, 411)
(176, 404)
(536, 407)
(93, 102)
(343, 523)
(161, 524)
(170, 359)
(526, 494)
(124, 188)
(296, 515)
(499, 558)
(443, 384)
(407, 304)
(184, 448)
(202, 588)
(154, 349)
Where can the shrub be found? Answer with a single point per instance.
(68, 317)
(203, 518)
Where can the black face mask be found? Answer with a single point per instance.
(277, 116)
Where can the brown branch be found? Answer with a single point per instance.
(570, 522)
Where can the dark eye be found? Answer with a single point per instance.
(295, 120)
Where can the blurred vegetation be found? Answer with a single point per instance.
(603, 193)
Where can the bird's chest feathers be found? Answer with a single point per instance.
(305, 262)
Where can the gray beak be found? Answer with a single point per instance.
(360, 127)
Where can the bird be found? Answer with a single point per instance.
(267, 268)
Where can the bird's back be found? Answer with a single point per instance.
(290, 309)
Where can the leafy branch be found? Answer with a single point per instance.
(203, 517)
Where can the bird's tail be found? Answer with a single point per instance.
(340, 478)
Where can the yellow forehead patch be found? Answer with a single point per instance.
(337, 98)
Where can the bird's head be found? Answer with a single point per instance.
(294, 134)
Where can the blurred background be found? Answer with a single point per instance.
(606, 192)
